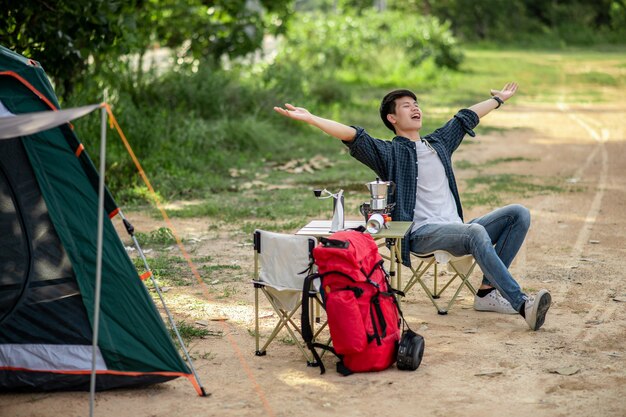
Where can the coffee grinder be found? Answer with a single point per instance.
(377, 212)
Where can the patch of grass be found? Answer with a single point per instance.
(161, 236)
(208, 272)
(208, 356)
(188, 332)
(465, 164)
(228, 292)
(287, 340)
(272, 226)
(275, 205)
(211, 268)
(137, 195)
(491, 190)
(207, 258)
(598, 78)
(167, 270)
(175, 271)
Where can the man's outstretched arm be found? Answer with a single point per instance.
(484, 107)
(336, 129)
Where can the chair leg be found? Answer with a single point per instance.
(436, 294)
(447, 284)
(285, 321)
(417, 274)
(432, 298)
(465, 277)
(437, 290)
(464, 282)
(256, 322)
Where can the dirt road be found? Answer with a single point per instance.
(476, 364)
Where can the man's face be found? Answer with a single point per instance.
(408, 115)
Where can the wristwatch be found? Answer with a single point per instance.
(499, 100)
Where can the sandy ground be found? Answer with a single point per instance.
(475, 364)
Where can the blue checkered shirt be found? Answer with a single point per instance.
(396, 161)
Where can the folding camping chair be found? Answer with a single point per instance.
(281, 262)
(461, 268)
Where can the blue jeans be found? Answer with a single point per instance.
(493, 240)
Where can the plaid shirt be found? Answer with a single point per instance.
(396, 161)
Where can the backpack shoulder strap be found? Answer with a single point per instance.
(305, 324)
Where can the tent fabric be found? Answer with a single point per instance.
(38, 356)
(31, 123)
(48, 224)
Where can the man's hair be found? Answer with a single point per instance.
(388, 105)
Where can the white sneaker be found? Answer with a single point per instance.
(494, 301)
(536, 308)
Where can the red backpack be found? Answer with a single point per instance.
(362, 311)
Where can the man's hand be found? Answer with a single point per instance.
(336, 129)
(506, 93)
(485, 107)
(296, 113)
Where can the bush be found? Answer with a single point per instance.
(189, 129)
(190, 126)
(363, 45)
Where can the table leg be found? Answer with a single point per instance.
(398, 261)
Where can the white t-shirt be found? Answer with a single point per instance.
(434, 202)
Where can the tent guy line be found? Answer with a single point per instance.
(205, 291)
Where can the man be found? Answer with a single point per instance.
(427, 194)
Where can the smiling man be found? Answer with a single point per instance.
(427, 194)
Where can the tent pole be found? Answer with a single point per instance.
(131, 231)
(96, 316)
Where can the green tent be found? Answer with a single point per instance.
(48, 227)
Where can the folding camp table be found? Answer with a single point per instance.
(392, 236)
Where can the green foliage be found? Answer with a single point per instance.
(213, 29)
(161, 236)
(527, 22)
(65, 35)
(366, 44)
(190, 129)
(167, 270)
(224, 272)
(188, 333)
(228, 292)
(174, 270)
(192, 125)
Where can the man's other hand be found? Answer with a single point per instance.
(296, 113)
(507, 92)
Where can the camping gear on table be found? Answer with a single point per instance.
(362, 312)
(338, 221)
(48, 220)
(377, 212)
